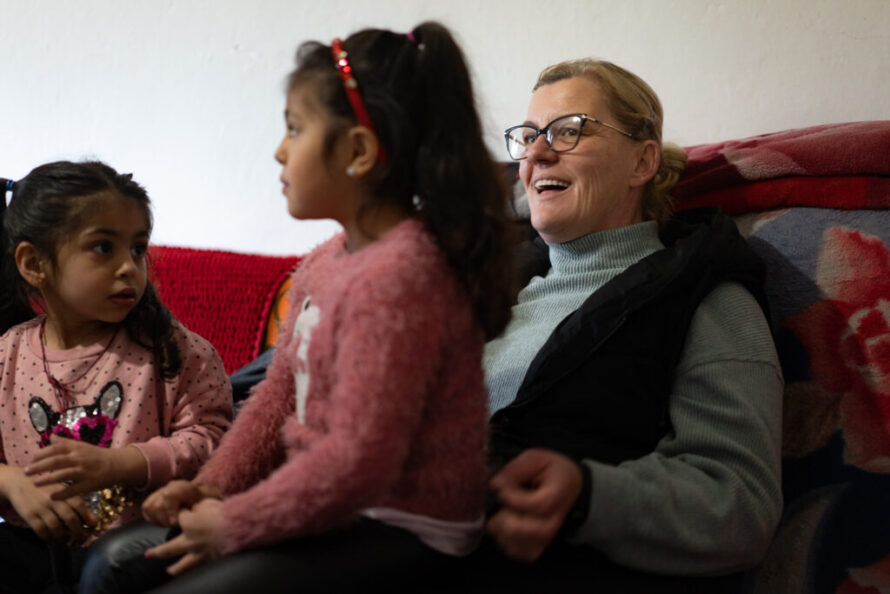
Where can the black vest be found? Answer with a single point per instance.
(598, 388)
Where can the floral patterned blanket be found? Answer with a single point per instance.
(815, 203)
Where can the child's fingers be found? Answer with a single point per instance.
(68, 488)
(40, 526)
(44, 465)
(73, 521)
(56, 477)
(158, 516)
(163, 506)
(150, 515)
(54, 449)
(172, 548)
(58, 447)
(50, 525)
(87, 519)
(160, 509)
(187, 562)
(169, 508)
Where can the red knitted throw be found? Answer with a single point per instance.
(225, 297)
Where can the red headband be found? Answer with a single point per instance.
(350, 85)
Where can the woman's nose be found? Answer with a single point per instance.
(540, 150)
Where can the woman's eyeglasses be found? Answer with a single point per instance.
(561, 134)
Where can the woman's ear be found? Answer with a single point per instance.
(364, 148)
(648, 160)
(32, 265)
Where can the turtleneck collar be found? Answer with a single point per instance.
(619, 247)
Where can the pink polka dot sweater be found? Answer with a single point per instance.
(375, 398)
(174, 423)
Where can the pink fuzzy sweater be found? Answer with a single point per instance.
(375, 398)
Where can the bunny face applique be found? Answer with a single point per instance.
(94, 424)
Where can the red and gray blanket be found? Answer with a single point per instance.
(833, 166)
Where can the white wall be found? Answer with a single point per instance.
(188, 95)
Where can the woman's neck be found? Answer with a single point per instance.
(619, 248)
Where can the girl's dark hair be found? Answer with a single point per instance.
(418, 94)
(47, 206)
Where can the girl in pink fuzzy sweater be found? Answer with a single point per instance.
(370, 427)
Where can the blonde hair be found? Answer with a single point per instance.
(637, 109)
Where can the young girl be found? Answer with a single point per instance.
(370, 427)
(103, 396)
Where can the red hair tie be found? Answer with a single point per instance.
(350, 85)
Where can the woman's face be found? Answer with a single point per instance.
(592, 187)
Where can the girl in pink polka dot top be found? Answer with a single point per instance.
(103, 397)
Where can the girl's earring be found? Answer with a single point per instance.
(350, 171)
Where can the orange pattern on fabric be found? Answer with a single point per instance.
(277, 314)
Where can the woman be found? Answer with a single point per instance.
(636, 394)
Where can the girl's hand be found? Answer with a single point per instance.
(83, 467)
(200, 541)
(163, 506)
(50, 518)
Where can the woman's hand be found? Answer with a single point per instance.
(200, 541)
(50, 518)
(163, 506)
(537, 490)
(83, 467)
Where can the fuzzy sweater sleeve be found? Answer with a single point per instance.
(387, 337)
(196, 409)
(252, 448)
(708, 500)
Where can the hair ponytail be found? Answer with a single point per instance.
(14, 303)
(460, 186)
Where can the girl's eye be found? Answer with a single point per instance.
(103, 247)
(138, 251)
(292, 131)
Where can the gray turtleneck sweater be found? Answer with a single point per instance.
(707, 500)
(578, 268)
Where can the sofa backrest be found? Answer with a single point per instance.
(226, 297)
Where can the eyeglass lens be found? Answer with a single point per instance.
(561, 134)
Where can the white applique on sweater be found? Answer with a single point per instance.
(303, 326)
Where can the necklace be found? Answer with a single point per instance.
(63, 394)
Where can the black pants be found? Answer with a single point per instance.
(31, 565)
(366, 556)
(116, 563)
(566, 568)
